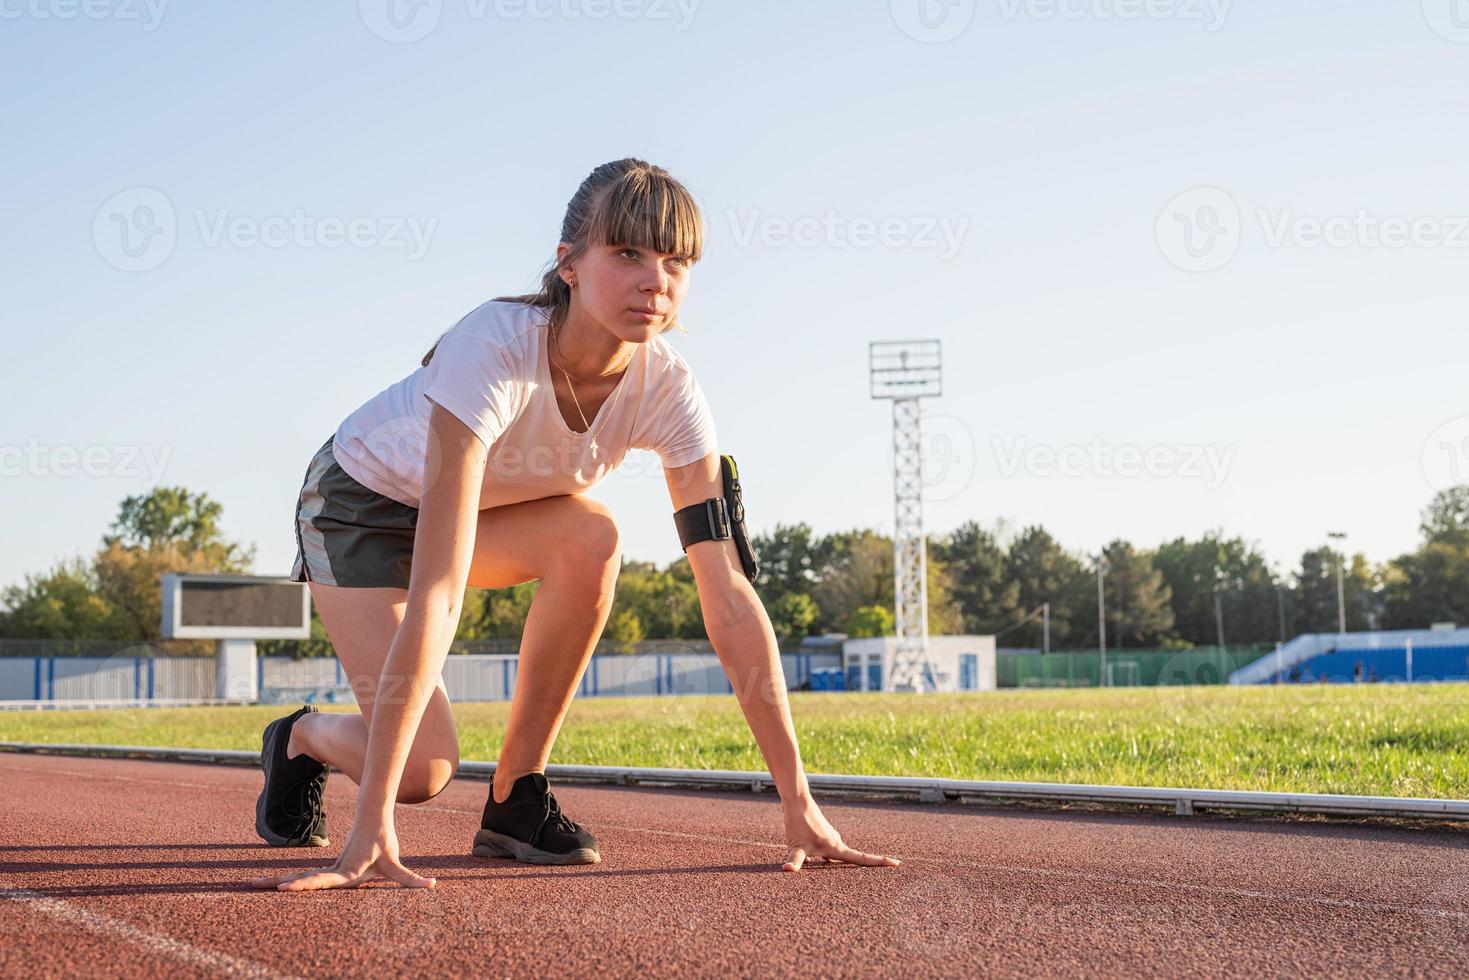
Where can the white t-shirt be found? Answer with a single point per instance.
(491, 371)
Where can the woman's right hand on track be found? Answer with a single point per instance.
(371, 852)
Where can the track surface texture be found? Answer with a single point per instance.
(129, 868)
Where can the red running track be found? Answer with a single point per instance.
(131, 868)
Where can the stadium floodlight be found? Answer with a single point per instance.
(906, 371)
(1102, 569)
(905, 368)
(1341, 592)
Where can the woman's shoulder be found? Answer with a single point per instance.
(665, 360)
(503, 324)
(670, 380)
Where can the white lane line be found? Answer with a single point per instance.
(77, 917)
(1109, 879)
(1220, 890)
(1345, 903)
(128, 779)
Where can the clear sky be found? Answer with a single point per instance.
(1194, 264)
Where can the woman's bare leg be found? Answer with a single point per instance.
(361, 624)
(566, 618)
(571, 544)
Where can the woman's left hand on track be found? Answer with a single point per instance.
(810, 836)
(371, 852)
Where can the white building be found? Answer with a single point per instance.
(959, 663)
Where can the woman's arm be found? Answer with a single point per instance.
(740, 630)
(443, 548)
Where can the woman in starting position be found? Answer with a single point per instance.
(470, 472)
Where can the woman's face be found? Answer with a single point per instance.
(633, 292)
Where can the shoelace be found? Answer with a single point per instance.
(556, 818)
(308, 796)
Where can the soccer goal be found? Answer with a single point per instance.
(1124, 673)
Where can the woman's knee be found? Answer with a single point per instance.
(596, 535)
(425, 777)
(434, 757)
(593, 543)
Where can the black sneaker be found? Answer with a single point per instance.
(289, 812)
(529, 826)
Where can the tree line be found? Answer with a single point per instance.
(1182, 593)
(1213, 590)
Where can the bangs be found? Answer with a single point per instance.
(648, 210)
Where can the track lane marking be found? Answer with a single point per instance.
(1221, 890)
(128, 779)
(1093, 876)
(159, 944)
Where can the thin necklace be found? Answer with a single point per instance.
(556, 340)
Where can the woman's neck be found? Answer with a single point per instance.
(588, 351)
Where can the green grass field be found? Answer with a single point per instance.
(1371, 739)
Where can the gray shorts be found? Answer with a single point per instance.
(347, 534)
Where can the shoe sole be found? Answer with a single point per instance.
(488, 844)
(266, 834)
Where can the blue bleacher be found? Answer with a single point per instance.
(1430, 663)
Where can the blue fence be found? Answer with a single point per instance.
(123, 677)
(128, 678)
(493, 677)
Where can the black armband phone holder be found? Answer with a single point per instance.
(718, 518)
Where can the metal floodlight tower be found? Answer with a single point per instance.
(906, 371)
